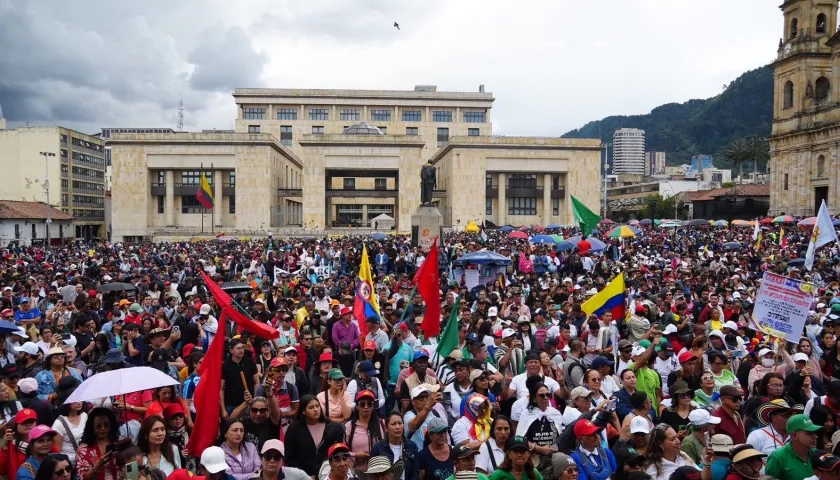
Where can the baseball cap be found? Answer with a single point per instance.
(686, 357)
(273, 444)
(25, 415)
(518, 442)
(39, 431)
(423, 388)
(205, 309)
(24, 300)
(28, 347)
(721, 443)
(585, 427)
(700, 417)
(173, 409)
(731, 391)
(27, 385)
(336, 448)
(365, 394)
(764, 351)
(824, 461)
(462, 451)
(508, 332)
(628, 456)
(436, 425)
(184, 474)
(637, 351)
(639, 425)
(800, 422)
(290, 350)
(599, 361)
(213, 459)
(800, 357)
(369, 345)
(336, 374)
(492, 312)
(366, 367)
(420, 354)
(684, 473)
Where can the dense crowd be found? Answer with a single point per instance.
(680, 387)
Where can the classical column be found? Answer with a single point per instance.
(218, 198)
(365, 216)
(546, 214)
(169, 205)
(502, 200)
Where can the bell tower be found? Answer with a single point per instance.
(803, 63)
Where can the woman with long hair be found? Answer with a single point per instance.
(677, 414)
(241, 457)
(821, 415)
(491, 454)
(435, 460)
(592, 382)
(707, 397)
(768, 388)
(54, 370)
(396, 447)
(101, 345)
(40, 445)
(541, 424)
(194, 360)
(311, 432)
(56, 467)
(70, 426)
(93, 460)
(162, 397)
(16, 441)
(158, 452)
(364, 429)
(517, 464)
(664, 455)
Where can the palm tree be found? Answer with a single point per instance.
(759, 151)
(738, 152)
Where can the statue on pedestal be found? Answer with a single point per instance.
(427, 183)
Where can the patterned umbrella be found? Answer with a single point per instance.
(784, 219)
(731, 245)
(743, 223)
(621, 231)
(596, 244)
(765, 221)
(633, 222)
(557, 238)
(719, 223)
(606, 221)
(543, 239)
(518, 234)
(808, 222)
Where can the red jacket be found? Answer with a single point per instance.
(11, 459)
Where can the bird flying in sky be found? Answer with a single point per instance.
(397, 25)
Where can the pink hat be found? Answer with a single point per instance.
(39, 431)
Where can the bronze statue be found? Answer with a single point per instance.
(427, 183)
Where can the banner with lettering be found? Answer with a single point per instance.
(781, 307)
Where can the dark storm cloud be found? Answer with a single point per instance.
(225, 59)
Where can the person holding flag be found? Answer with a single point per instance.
(823, 234)
(365, 304)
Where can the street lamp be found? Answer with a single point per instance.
(676, 198)
(606, 167)
(46, 156)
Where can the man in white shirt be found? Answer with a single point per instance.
(533, 367)
(773, 436)
(665, 363)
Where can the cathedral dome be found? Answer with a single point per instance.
(362, 129)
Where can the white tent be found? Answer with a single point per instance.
(382, 222)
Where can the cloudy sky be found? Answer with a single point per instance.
(552, 66)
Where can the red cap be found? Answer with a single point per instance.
(326, 357)
(586, 427)
(24, 415)
(365, 394)
(640, 309)
(369, 345)
(91, 293)
(686, 357)
(173, 409)
(278, 362)
(188, 348)
(337, 448)
(183, 474)
(403, 326)
(345, 311)
(498, 333)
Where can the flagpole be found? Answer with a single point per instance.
(200, 175)
(212, 210)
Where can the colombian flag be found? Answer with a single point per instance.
(611, 298)
(205, 193)
(366, 304)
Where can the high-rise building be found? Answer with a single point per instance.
(629, 151)
(76, 173)
(654, 163)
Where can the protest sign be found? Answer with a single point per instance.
(782, 306)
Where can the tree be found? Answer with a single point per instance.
(759, 151)
(658, 207)
(738, 152)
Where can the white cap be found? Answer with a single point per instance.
(205, 309)
(820, 305)
(717, 333)
(764, 351)
(70, 342)
(592, 291)
(107, 278)
(577, 287)
(259, 300)
(671, 328)
(28, 347)
(639, 425)
(578, 392)
(567, 279)
(508, 332)
(21, 333)
(800, 357)
(637, 351)
(213, 459)
(492, 312)
(422, 388)
(566, 349)
(736, 295)
(7, 289)
(731, 325)
(700, 416)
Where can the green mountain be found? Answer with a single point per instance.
(695, 127)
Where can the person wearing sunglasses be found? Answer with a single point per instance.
(56, 467)
(728, 412)
(365, 428)
(271, 458)
(540, 424)
(706, 396)
(338, 463)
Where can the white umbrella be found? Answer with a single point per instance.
(120, 382)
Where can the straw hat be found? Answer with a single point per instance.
(379, 465)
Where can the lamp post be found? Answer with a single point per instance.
(676, 198)
(606, 167)
(47, 223)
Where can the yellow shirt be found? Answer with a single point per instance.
(300, 316)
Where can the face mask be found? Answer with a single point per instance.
(768, 362)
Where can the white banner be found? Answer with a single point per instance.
(316, 272)
(782, 306)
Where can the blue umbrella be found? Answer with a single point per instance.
(797, 262)
(506, 228)
(553, 225)
(542, 239)
(378, 236)
(8, 327)
(731, 245)
(645, 221)
(597, 245)
(483, 257)
(564, 246)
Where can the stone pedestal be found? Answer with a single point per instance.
(426, 224)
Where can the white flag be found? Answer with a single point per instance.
(823, 233)
(756, 230)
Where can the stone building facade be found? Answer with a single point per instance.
(805, 139)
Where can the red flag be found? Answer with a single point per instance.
(427, 280)
(207, 394)
(258, 329)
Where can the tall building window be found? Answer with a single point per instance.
(286, 135)
(821, 20)
(821, 166)
(380, 183)
(474, 117)
(522, 206)
(253, 129)
(317, 129)
(232, 204)
(64, 138)
(488, 179)
(380, 115)
(190, 204)
(287, 114)
(253, 113)
(161, 203)
(412, 116)
(349, 183)
(555, 206)
(442, 136)
(319, 114)
(353, 115)
(412, 131)
(488, 206)
(473, 132)
(788, 94)
(232, 179)
(442, 116)
(786, 182)
(522, 180)
(194, 177)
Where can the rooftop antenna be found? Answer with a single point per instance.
(180, 116)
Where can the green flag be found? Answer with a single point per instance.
(449, 338)
(586, 218)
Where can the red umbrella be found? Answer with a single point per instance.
(765, 221)
(808, 222)
(606, 221)
(538, 228)
(518, 234)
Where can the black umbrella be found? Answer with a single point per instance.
(695, 223)
(116, 287)
(645, 221)
(236, 287)
(796, 262)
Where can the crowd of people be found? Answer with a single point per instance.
(680, 387)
